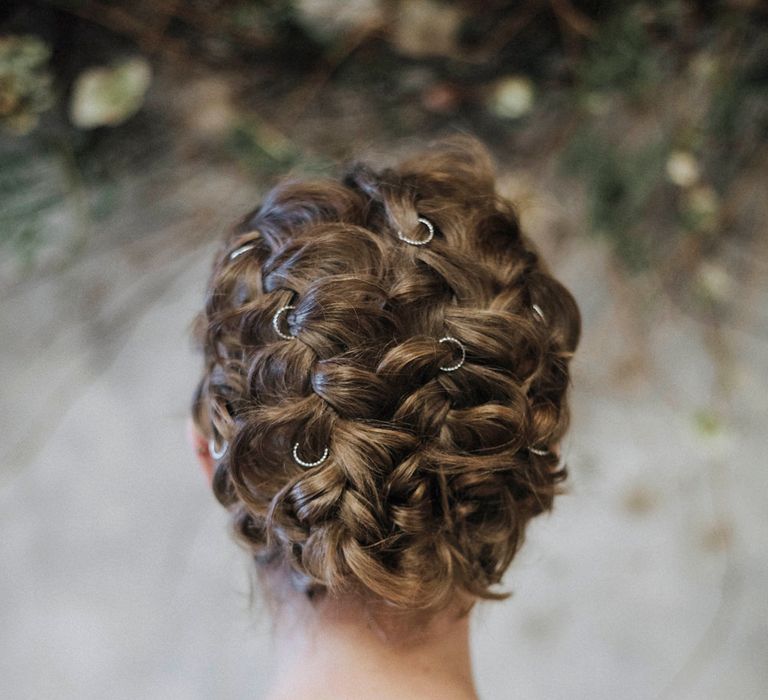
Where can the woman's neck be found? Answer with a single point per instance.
(334, 650)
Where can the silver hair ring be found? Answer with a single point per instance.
(217, 454)
(237, 252)
(276, 321)
(541, 453)
(537, 310)
(300, 461)
(451, 339)
(430, 227)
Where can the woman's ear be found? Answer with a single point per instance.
(200, 445)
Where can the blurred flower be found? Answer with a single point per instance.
(682, 168)
(703, 66)
(714, 282)
(415, 78)
(25, 83)
(598, 103)
(512, 97)
(427, 28)
(442, 98)
(207, 107)
(700, 206)
(328, 19)
(109, 96)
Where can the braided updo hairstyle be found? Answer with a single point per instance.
(386, 368)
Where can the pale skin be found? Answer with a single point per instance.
(332, 650)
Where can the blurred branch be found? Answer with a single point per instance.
(166, 12)
(573, 25)
(124, 23)
(579, 22)
(152, 36)
(505, 31)
(209, 22)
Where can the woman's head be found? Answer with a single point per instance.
(386, 369)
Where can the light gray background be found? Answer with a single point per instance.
(118, 578)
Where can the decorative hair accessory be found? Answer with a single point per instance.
(217, 453)
(451, 339)
(237, 252)
(537, 310)
(536, 451)
(308, 464)
(430, 228)
(276, 322)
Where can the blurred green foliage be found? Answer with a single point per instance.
(647, 87)
(261, 148)
(658, 105)
(25, 82)
(736, 122)
(620, 182)
(30, 187)
(623, 58)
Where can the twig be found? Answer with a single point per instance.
(505, 31)
(166, 11)
(121, 22)
(579, 22)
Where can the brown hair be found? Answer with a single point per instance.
(429, 480)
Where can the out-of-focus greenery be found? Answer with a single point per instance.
(620, 181)
(623, 58)
(652, 108)
(261, 148)
(25, 82)
(665, 124)
(32, 185)
(109, 96)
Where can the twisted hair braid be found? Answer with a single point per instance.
(428, 480)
